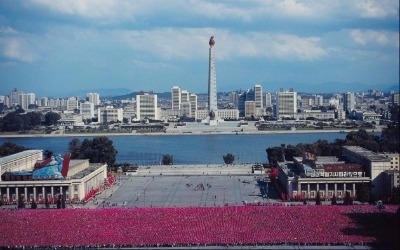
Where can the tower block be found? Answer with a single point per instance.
(212, 85)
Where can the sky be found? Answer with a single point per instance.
(60, 47)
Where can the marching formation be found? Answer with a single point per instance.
(188, 226)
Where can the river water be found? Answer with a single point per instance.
(185, 149)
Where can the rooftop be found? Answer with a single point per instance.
(19, 155)
(372, 156)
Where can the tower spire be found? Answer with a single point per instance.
(212, 85)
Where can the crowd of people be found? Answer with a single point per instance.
(186, 226)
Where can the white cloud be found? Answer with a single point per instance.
(189, 44)
(374, 37)
(295, 8)
(377, 8)
(17, 49)
(92, 8)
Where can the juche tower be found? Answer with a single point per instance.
(212, 85)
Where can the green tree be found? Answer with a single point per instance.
(97, 150)
(9, 148)
(228, 158)
(275, 155)
(51, 118)
(390, 138)
(12, 122)
(167, 159)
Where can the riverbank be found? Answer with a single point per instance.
(185, 131)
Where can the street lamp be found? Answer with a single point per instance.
(144, 197)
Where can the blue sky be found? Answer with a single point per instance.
(56, 47)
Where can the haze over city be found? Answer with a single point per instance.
(53, 48)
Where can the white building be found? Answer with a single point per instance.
(146, 106)
(110, 114)
(268, 100)
(72, 103)
(249, 108)
(375, 164)
(258, 96)
(349, 101)
(224, 114)
(286, 104)
(24, 100)
(234, 98)
(176, 98)
(43, 102)
(318, 100)
(87, 110)
(14, 98)
(82, 179)
(193, 105)
(94, 98)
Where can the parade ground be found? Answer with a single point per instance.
(186, 186)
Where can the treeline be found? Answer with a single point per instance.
(18, 120)
(387, 142)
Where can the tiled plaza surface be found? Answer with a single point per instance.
(185, 186)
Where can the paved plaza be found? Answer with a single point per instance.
(183, 186)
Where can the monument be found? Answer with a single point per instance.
(212, 85)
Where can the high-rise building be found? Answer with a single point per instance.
(286, 104)
(349, 102)
(250, 108)
(212, 85)
(193, 105)
(185, 103)
(72, 103)
(234, 98)
(110, 114)
(14, 98)
(176, 98)
(87, 110)
(268, 100)
(319, 100)
(184, 96)
(43, 102)
(24, 100)
(258, 96)
(94, 98)
(146, 106)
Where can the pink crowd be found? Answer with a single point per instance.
(187, 226)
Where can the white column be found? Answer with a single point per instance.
(335, 190)
(326, 189)
(308, 190)
(52, 192)
(354, 189)
(16, 193)
(26, 193)
(8, 194)
(34, 193)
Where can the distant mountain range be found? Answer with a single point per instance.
(124, 93)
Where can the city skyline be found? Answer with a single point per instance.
(53, 49)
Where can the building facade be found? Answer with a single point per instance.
(286, 104)
(146, 106)
(109, 114)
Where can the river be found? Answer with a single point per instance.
(185, 149)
